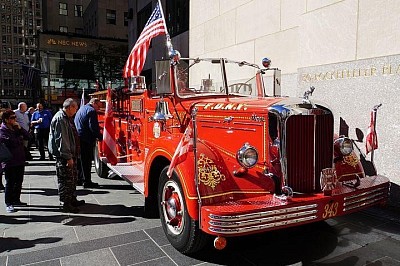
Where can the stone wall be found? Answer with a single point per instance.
(347, 49)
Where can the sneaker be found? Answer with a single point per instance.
(70, 208)
(20, 203)
(90, 185)
(77, 203)
(10, 209)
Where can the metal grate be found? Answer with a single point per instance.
(309, 149)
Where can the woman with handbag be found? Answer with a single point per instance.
(12, 135)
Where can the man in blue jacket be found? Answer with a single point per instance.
(41, 120)
(87, 124)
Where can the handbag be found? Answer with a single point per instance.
(5, 154)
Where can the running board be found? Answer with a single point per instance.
(133, 174)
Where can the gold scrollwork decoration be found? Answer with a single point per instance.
(351, 160)
(209, 174)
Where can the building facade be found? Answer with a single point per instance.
(19, 23)
(103, 18)
(82, 44)
(346, 49)
(176, 14)
(75, 64)
(64, 16)
(54, 38)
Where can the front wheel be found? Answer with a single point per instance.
(100, 167)
(181, 230)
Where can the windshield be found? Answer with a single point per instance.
(205, 77)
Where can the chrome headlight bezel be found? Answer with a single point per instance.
(345, 145)
(247, 156)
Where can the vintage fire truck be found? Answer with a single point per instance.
(250, 162)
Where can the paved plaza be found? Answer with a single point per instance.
(111, 230)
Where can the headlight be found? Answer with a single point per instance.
(345, 145)
(247, 156)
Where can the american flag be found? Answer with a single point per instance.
(30, 77)
(154, 27)
(181, 152)
(371, 140)
(109, 142)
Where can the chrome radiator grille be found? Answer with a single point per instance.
(309, 149)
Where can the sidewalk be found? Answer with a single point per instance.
(111, 230)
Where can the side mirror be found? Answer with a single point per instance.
(163, 78)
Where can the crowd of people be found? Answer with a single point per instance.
(67, 136)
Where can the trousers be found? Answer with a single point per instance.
(42, 139)
(67, 178)
(86, 161)
(14, 177)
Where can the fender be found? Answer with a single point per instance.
(165, 147)
(349, 167)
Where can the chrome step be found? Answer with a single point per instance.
(133, 174)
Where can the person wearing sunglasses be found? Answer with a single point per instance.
(13, 136)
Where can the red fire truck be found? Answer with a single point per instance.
(244, 162)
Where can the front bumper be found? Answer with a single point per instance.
(265, 213)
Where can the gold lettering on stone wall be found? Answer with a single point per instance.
(62, 42)
(348, 73)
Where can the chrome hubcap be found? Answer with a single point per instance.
(172, 207)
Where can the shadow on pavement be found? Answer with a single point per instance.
(115, 210)
(13, 243)
(304, 244)
(116, 187)
(41, 173)
(72, 220)
(85, 221)
(54, 191)
(40, 191)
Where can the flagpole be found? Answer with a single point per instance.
(373, 139)
(162, 14)
(169, 43)
(196, 169)
(375, 111)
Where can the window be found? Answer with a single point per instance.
(142, 17)
(63, 9)
(125, 18)
(63, 29)
(177, 16)
(111, 16)
(78, 11)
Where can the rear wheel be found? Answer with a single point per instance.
(101, 168)
(181, 230)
